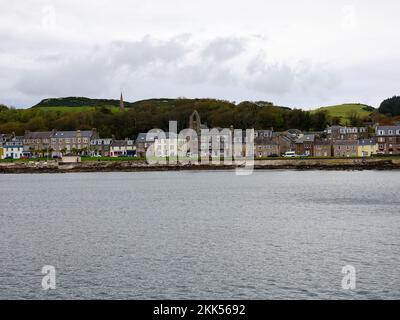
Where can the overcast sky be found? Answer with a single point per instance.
(298, 53)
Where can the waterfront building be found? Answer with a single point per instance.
(167, 145)
(12, 151)
(305, 145)
(367, 147)
(286, 142)
(37, 143)
(345, 148)
(122, 148)
(265, 147)
(226, 144)
(388, 139)
(143, 143)
(346, 133)
(100, 147)
(322, 148)
(75, 142)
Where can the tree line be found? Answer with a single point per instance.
(148, 114)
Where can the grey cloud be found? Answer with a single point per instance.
(270, 78)
(177, 66)
(148, 50)
(79, 75)
(221, 49)
(94, 71)
(203, 72)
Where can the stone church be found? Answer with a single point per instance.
(195, 123)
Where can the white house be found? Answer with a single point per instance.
(167, 144)
(122, 148)
(12, 152)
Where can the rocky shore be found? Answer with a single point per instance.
(132, 166)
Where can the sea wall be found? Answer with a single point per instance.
(129, 166)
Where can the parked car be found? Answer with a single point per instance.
(290, 154)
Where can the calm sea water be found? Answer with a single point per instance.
(200, 235)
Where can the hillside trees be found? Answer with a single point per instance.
(144, 115)
(390, 106)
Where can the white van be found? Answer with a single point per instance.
(290, 154)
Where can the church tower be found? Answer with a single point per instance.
(121, 104)
(195, 122)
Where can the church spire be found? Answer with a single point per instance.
(121, 103)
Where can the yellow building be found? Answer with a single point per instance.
(1, 153)
(367, 148)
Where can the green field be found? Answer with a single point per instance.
(345, 110)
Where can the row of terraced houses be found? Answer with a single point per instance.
(335, 141)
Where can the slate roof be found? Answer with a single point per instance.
(322, 143)
(121, 143)
(366, 142)
(306, 138)
(395, 129)
(146, 137)
(72, 134)
(346, 143)
(265, 141)
(150, 137)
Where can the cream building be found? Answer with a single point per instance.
(367, 147)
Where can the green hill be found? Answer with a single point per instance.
(344, 111)
(75, 104)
